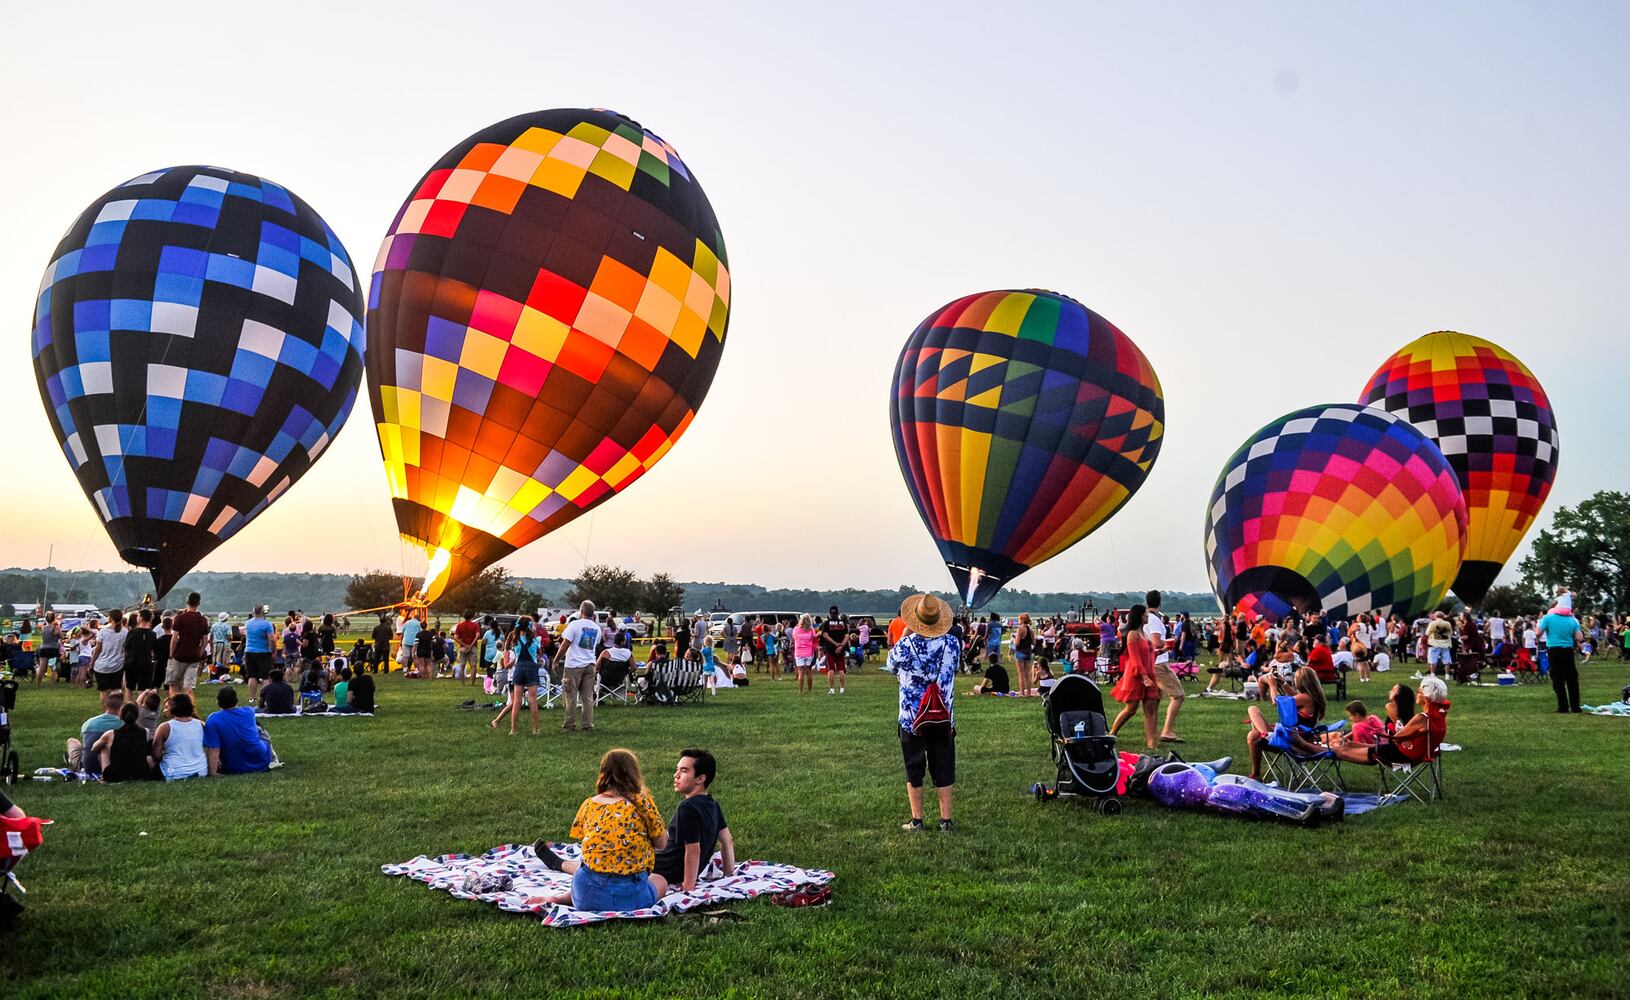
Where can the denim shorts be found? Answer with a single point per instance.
(592, 890)
(525, 674)
(1437, 655)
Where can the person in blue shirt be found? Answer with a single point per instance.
(1561, 636)
(926, 656)
(411, 628)
(489, 646)
(233, 743)
(259, 637)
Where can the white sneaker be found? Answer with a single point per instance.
(830, 691)
(843, 690)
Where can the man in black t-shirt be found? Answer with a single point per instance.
(383, 634)
(834, 642)
(361, 693)
(277, 697)
(697, 824)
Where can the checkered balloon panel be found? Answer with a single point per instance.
(198, 344)
(1340, 508)
(1493, 421)
(546, 315)
(1022, 420)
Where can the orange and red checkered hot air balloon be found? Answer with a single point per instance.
(1493, 421)
(545, 318)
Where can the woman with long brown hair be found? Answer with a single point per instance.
(621, 831)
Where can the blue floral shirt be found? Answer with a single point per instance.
(917, 662)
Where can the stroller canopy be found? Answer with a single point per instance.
(1072, 693)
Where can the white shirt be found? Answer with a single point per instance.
(581, 637)
(1497, 629)
(1381, 663)
(112, 658)
(1528, 637)
(1342, 658)
(1155, 629)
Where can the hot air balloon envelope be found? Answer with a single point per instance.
(1022, 420)
(1492, 420)
(1337, 508)
(546, 315)
(198, 343)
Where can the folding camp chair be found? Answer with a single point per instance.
(611, 684)
(1422, 781)
(1296, 772)
(549, 691)
(687, 687)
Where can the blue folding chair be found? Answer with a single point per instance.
(1286, 764)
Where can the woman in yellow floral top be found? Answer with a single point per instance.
(621, 830)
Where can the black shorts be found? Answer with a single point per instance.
(109, 682)
(257, 666)
(935, 754)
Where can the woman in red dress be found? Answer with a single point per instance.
(1137, 683)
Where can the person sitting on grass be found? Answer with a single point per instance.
(78, 759)
(150, 706)
(361, 695)
(697, 826)
(277, 697)
(738, 671)
(233, 742)
(178, 746)
(995, 682)
(342, 690)
(621, 830)
(1228, 666)
(125, 753)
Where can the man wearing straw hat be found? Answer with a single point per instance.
(925, 660)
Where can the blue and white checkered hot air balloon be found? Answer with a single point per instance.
(198, 344)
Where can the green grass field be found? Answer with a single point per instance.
(269, 886)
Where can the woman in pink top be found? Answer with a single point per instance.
(803, 653)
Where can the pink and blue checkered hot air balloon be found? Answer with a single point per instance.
(198, 344)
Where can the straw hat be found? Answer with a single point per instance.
(926, 615)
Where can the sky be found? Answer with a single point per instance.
(1268, 198)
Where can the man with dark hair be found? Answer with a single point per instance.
(1155, 628)
(277, 697)
(189, 646)
(362, 694)
(382, 635)
(698, 823)
(466, 634)
(834, 644)
(233, 742)
(259, 636)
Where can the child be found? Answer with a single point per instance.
(738, 669)
(1564, 600)
(1044, 676)
(1363, 727)
(82, 655)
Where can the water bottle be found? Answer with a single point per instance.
(1080, 730)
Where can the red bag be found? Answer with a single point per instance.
(19, 836)
(932, 718)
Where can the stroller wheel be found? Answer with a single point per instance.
(1110, 806)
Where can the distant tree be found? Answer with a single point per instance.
(491, 590)
(1511, 600)
(607, 587)
(660, 593)
(373, 589)
(1586, 548)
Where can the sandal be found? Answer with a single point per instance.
(1172, 739)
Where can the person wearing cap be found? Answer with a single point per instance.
(220, 639)
(926, 657)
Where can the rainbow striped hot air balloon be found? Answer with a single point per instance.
(1337, 508)
(1022, 421)
(1493, 421)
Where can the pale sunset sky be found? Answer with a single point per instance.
(1269, 198)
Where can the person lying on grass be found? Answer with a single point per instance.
(697, 827)
(621, 830)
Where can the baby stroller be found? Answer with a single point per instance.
(1087, 763)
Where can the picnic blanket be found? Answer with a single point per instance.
(310, 715)
(518, 881)
(1618, 708)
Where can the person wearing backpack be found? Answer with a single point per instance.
(925, 661)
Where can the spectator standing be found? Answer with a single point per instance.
(1160, 645)
(259, 638)
(382, 636)
(803, 653)
(50, 646)
(466, 636)
(1562, 636)
(189, 646)
(220, 644)
(578, 648)
(1440, 639)
(925, 661)
(1024, 650)
(1137, 686)
(834, 639)
(141, 666)
(108, 655)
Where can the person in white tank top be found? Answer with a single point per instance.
(178, 746)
